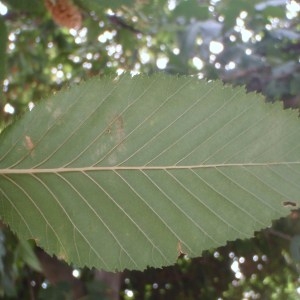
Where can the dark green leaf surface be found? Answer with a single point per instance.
(122, 173)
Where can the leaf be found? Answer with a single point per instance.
(123, 173)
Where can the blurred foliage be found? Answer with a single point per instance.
(254, 43)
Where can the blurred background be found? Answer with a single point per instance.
(49, 45)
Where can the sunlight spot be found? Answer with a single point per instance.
(232, 38)
(199, 41)
(293, 8)
(5, 85)
(198, 63)
(240, 22)
(221, 19)
(230, 66)
(134, 19)
(162, 47)
(243, 14)
(155, 285)
(129, 293)
(134, 73)
(264, 257)
(145, 56)
(59, 74)
(255, 257)
(211, 8)
(127, 280)
(120, 71)
(171, 4)
(89, 56)
(3, 9)
(79, 35)
(53, 71)
(31, 105)
(238, 275)
(9, 109)
(268, 27)
(216, 254)
(246, 35)
(73, 32)
(110, 12)
(212, 58)
(162, 62)
(114, 49)
(235, 266)
(76, 273)
(106, 35)
(214, 2)
(242, 260)
(216, 47)
(217, 66)
(75, 59)
(32, 283)
(251, 295)
(200, 75)
(176, 51)
(87, 65)
(12, 37)
(258, 37)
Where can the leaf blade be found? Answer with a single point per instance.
(116, 173)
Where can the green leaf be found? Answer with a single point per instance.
(124, 173)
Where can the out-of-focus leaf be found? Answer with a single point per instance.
(285, 34)
(191, 9)
(231, 10)
(123, 173)
(3, 43)
(2, 252)
(285, 69)
(100, 6)
(295, 248)
(265, 4)
(29, 6)
(62, 290)
(25, 251)
(207, 31)
(295, 84)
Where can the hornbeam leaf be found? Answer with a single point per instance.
(130, 172)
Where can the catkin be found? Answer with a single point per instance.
(64, 13)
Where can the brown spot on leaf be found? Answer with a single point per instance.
(28, 143)
(119, 125)
(289, 204)
(181, 254)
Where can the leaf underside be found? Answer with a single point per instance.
(123, 173)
